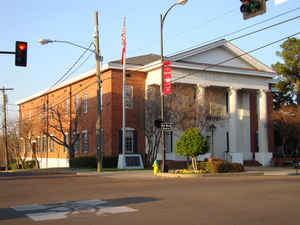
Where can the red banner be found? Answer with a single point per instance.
(167, 77)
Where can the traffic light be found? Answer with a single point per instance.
(21, 53)
(251, 8)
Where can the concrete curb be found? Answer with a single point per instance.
(173, 175)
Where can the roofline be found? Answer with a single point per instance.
(81, 76)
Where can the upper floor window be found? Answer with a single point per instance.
(29, 115)
(52, 112)
(67, 107)
(85, 102)
(128, 97)
(76, 103)
(45, 111)
(39, 114)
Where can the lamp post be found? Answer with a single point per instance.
(212, 128)
(162, 101)
(99, 109)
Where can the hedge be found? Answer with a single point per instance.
(91, 162)
(220, 167)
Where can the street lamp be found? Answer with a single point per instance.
(99, 138)
(212, 128)
(47, 41)
(162, 102)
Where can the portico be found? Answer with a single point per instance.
(235, 81)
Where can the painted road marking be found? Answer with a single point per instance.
(64, 209)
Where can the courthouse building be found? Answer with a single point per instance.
(242, 82)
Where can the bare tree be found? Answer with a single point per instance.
(184, 107)
(152, 133)
(26, 132)
(63, 129)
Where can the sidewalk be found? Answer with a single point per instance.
(148, 174)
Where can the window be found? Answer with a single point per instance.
(44, 143)
(129, 141)
(67, 107)
(77, 143)
(67, 141)
(45, 111)
(21, 145)
(169, 141)
(128, 97)
(76, 103)
(52, 112)
(51, 145)
(85, 98)
(38, 144)
(29, 115)
(84, 142)
(39, 114)
(28, 147)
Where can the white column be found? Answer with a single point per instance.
(233, 120)
(262, 122)
(263, 156)
(236, 155)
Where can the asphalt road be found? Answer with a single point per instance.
(62, 199)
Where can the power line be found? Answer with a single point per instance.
(64, 76)
(237, 31)
(227, 60)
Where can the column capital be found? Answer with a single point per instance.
(229, 89)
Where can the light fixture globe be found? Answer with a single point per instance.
(181, 2)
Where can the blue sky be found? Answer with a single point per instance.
(186, 26)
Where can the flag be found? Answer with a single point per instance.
(123, 37)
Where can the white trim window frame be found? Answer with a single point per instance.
(76, 103)
(84, 141)
(67, 142)
(128, 97)
(52, 112)
(45, 142)
(51, 144)
(38, 144)
(85, 102)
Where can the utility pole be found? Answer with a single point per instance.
(4, 101)
(99, 139)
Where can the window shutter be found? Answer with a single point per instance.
(135, 142)
(120, 141)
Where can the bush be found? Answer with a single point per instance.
(30, 164)
(91, 162)
(220, 167)
(13, 166)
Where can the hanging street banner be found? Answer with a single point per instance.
(167, 75)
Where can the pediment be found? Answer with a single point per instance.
(221, 53)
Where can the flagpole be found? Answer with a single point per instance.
(123, 95)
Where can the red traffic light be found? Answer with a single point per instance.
(21, 53)
(22, 46)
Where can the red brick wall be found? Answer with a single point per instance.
(112, 110)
